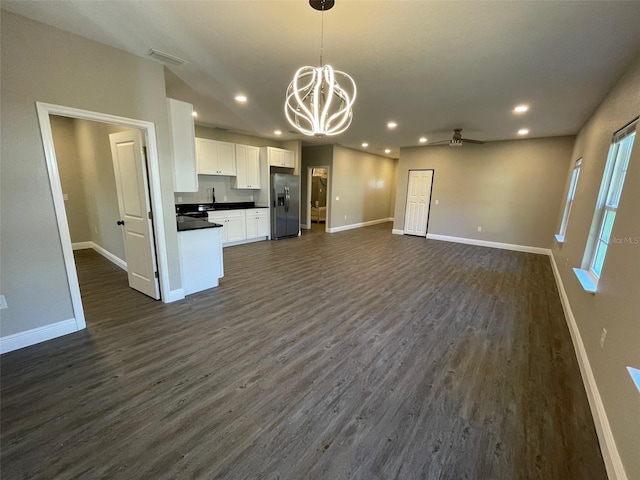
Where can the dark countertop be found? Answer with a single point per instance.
(212, 207)
(190, 223)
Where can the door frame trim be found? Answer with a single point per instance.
(155, 192)
(433, 175)
(309, 191)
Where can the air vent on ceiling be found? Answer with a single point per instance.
(166, 58)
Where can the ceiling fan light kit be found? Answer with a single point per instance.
(317, 104)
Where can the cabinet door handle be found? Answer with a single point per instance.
(120, 222)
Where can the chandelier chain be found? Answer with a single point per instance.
(322, 35)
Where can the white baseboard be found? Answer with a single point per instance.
(110, 256)
(37, 335)
(397, 231)
(82, 245)
(485, 243)
(105, 253)
(359, 225)
(612, 460)
(242, 242)
(174, 296)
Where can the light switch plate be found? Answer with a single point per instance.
(65, 197)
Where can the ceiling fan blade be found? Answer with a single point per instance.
(441, 142)
(468, 140)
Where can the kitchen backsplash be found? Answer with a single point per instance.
(222, 187)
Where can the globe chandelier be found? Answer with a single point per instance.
(317, 104)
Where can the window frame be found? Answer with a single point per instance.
(573, 185)
(607, 206)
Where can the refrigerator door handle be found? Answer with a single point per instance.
(287, 198)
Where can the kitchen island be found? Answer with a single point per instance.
(200, 247)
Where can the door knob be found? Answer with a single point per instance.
(120, 222)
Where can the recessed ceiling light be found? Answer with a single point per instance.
(241, 98)
(423, 139)
(278, 132)
(194, 114)
(365, 144)
(387, 150)
(523, 131)
(521, 108)
(392, 125)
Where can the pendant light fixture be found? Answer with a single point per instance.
(317, 104)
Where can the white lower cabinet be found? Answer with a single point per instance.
(236, 227)
(257, 223)
(240, 226)
(233, 224)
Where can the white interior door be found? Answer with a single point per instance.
(130, 169)
(418, 201)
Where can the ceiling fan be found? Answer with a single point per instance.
(457, 140)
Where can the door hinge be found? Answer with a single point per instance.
(144, 152)
(150, 215)
(156, 275)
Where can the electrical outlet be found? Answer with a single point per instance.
(251, 197)
(566, 262)
(479, 229)
(437, 202)
(345, 217)
(3, 302)
(95, 229)
(603, 335)
(337, 197)
(179, 199)
(225, 198)
(65, 197)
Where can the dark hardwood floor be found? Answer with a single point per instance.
(354, 355)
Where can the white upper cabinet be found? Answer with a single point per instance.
(278, 157)
(288, 159)
(247, 168)
(215, 157)
(185, 176)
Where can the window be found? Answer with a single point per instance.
(607, 206)
(570, 195)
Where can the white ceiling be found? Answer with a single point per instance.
(431, 66)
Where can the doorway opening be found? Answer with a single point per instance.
(317, 198)
(105, 190)
(138, 177)
(416, 216)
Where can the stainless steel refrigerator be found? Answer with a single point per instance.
(285, 205)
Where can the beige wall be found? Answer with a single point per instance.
(99, 179)
(511, 189)
(71, 178)
(616, 304)
(41, 63)
(83, 154)
(364, 183)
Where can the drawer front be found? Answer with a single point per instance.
(256, 212)
(223, 214)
